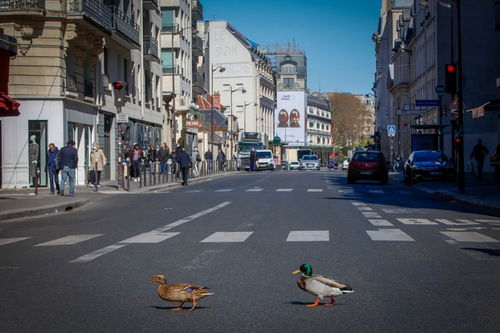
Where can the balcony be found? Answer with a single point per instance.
(125, 26)
(93, 10)
(24, 7)
(150, 4)
(169, 70)
(151, 48)
(197, 46)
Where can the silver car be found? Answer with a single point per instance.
(309, 162)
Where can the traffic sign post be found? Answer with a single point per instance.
(391, 130)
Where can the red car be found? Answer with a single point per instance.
(369, 165)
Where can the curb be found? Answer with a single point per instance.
(43, 210)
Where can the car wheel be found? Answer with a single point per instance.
(407, 179)
(350, 180)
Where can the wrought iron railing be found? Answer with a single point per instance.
(125, 25)
(150, 46)
(22, 4)
(94, 10)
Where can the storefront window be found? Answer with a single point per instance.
(37, 150)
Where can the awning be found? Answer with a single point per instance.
(9, 107)
(478, 112)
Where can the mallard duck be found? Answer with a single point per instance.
(320, 285)
(179, 292)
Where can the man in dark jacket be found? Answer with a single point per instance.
(209, 157)
(52, 168)
(478, 153)
(67, 161)
(163, 156)
(183, 159)
(253, 159)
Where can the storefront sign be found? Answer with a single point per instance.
(121, 118)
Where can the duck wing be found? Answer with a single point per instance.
(328, 281)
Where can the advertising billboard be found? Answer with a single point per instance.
(291, 117)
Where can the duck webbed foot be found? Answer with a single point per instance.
(316, 303)
(178, 308)
(194, 304)
(332, 302)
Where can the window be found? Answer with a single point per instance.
(166, 59)
(167, 19)
(288, 68)
(37, 148)
(288, 82)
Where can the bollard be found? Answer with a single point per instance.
(141, 167)
(126, 171)
(37, 174)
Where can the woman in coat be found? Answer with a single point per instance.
(97, 163)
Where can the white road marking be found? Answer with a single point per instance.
(488, 221)
(398, 210)
(346, 190)
(224, 190)
(151, 237)
(315, 190)
(414, 221)
(5, 241)
(254, 190)
(69, 240)
(358, 204)
(469, 236)
(227, 237)
(284, 190)
(365, 208)
(376, 191)
(309, 236)
(204, 259)
(380, 223)
(389, 235)
(96, 254)
(194, 191)
(371, 214)
(461, 222)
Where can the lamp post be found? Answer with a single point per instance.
(231, 90)
(220, 69)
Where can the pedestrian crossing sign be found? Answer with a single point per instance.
(391, 130)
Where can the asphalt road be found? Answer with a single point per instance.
(416, 263)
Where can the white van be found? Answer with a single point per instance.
(265, 160)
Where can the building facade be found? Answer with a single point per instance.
(69, 56)
(319, 121)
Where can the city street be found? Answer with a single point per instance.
(417, 263)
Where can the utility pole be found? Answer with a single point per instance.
(460, 100)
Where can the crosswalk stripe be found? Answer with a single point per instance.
(151, 237)
(194, 191)
(5, 241)
(358, 204)
(224, 190)
(346, 191)
(380, 223)
(376, 191)
(389, 235)
(227, 237)
(371, 214)
(415, 221)
(284, 190)
(69, 240)
(315, 190)
(470, 237)
(96, 254)
(308, 236)
(254, 190)
(365, 208)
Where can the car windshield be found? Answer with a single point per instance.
(264, 154)
(295, 162)
(366, 156)
(429, 156)
(309, 158)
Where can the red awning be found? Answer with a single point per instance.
(9, 107)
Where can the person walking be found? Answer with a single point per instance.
(163, 156)
(221, 160)
(495, 163)
(173, 159)
(209, 158)
(67, 161)
(97, 162)
(478, 153)
(195, 159)
(184, 161)
(253, 159)
(52, 168)
(136, 154)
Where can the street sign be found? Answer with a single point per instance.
(391, 130)
(427, 102)
(444, 110)
(454, 108)
(193, 123)
(121, 118)
(440, 90)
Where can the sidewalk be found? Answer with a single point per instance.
(482, 193)
(17, 203)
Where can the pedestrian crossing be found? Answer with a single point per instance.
(342, 191)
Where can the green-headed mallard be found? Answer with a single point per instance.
(179, 292)
(320, 285)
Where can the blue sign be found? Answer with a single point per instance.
(391, 130)
(427, 102)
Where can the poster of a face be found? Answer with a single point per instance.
(290, 119)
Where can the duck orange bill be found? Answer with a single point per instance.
(296, 271)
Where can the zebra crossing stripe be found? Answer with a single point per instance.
(380, 223)
(254, 190)
(469, 237)
(224, 190)
(315, 190)
(151, 237)
(227, 237)
(389, 235)
(358, 204)
(5, 241)
(309, 236)
(284, 190)
(364, 208)
(371, 214)
(69, 240)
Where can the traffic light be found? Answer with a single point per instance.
(451, 78)
(119, 92)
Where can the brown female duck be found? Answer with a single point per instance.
(179, 292)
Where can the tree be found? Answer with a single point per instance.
(349, 119)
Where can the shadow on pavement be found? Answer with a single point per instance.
(491, 252)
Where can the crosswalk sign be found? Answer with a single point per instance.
(391, 130)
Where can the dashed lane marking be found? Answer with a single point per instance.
(254, 190)
(389, 235)
(151, 237)
(315, 190)
(69, 240)
(284, 190)
(224, 190)
(308, 236)
(371, 215)
(376, 191)
(228, 237)
(5, 241)
(469, 236)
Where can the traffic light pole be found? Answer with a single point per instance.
(460, 100)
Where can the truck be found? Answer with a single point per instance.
(247, 141)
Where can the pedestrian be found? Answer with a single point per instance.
(173, 160)
(209, 158)
(97, 162)
(184, 161)
(67, 161)
(495, 163)
(221, 160)
(195, 159)
(253, 159)
(478, 153)
(136, 154)
(152, 156)
(52, 168)
(163, 156)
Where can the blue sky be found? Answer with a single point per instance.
(335, 34)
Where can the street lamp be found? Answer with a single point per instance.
(220, 69)
(231, 103)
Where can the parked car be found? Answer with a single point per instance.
(309, 162)
(345, 164)
(265, 160)
(294, 165)
(369, 165)
(427, 164)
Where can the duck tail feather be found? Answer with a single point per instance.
(346, 290)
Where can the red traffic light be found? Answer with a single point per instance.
(117, 85)
(457, 140)
(451, 68)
